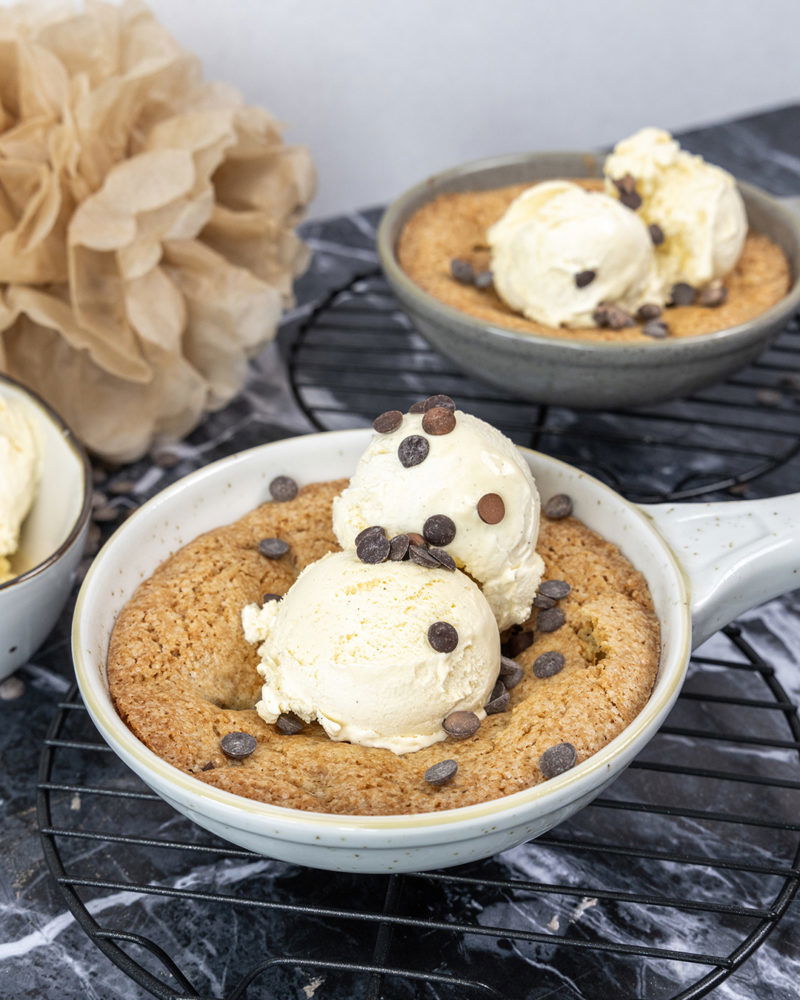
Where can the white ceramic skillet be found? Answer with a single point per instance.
(704, 564)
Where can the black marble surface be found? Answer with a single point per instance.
(44, 954)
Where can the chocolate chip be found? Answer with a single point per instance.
(388, 421)
(682, 294)
(273, 548)
(413, 450)
(289, 724)
(656, 234)
(612, 317)
(584, 278)
(484, 279)
(499, 700)
(440, 399)
(444, 559)
(550, 620)
(647, 312)
(209, 766)
(558, 507)
(656, 328)
(441, 773)
(439, 529)
(420, 555)
(443, 637)
(283, 488)
(461, 725)
(373, 548)
(554, 588)
(555, 760)
(548, 664)
(439, 420)
(373, 529)
(416, 539)
(626, 186)
(266, 598)
(517, 644)
(418, 407)
(491, 509)
(540, 601)
(511, 673)
(398, 548)
(631, 201)
(237, 746)
(462, 270)
(713, 295)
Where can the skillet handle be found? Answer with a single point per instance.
(736, 555)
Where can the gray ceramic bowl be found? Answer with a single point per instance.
(559, 369)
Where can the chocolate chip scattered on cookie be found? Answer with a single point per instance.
(283, 488)
(557, 759)
(461, 725)
(273, 548)
(237, 746)
(548, 664)
(441, 773)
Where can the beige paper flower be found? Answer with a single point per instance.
(146, 224)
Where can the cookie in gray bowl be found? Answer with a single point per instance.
(564, 367)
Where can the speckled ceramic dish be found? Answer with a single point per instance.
(705, 562)
(550, 369)
(53, 534)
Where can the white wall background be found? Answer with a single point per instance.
(387, 91)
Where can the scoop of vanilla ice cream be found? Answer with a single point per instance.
(19, 475)
(461, 467)
(554, 232)
(348, 646)
(696, 204)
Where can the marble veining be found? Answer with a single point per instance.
(45, 954)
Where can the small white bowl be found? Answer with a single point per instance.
(53, 534)
(705, 562)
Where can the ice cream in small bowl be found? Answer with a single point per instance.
(45, 503)
(569, 278)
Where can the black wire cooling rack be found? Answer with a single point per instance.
(358, 354)
(713, 852)
(660, 889)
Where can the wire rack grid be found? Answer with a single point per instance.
(661, 800)
(359, 354)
